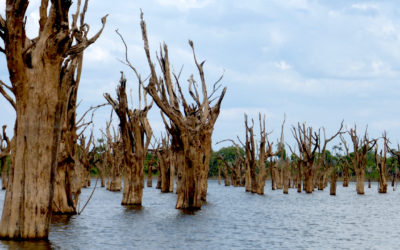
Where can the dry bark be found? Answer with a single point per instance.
(395, 154)
(380, 161)
(37, 68)
(136, 134)
(225, 168)
(286, 176)
(5, 149)
(334, 176)
(190, 130)
(150, 166)
(361, 148)
(237, 171)
(308, 143)
(265, 152)
(166, 162)
(322, 162)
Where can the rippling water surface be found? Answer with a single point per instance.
(231, 219)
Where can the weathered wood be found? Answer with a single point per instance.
(37, 68)
(5, 150)
(361, 148)
(136, 134)
(191, 130)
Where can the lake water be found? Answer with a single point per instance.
(231, 219)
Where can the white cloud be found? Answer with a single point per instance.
(98, 54)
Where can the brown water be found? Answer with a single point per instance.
(232, 219)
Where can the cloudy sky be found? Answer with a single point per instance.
(317, 61)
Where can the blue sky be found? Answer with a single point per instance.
(317, 61)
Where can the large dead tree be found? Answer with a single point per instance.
(136, 134)
(190, 126)
(308, 142)
(265, 152)
(361, 148)
(37, 69)
(5, 149)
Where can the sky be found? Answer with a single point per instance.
(318, 62)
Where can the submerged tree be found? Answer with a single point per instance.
(136, 134)
(190, 126)
(380, 161)
(308, 142)
(37, 68)
(361, 148)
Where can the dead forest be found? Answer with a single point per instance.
(53, 153)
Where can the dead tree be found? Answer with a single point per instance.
(380, 161)
(150, 168)
(38, 68)
(361, 148)
(298, 165)
(136, 134)
(322, 163)
(237, 166)
(265, 152)
(308, 143)
(226, 168)
(334, 176)
(165, 157)
(347, 163)
(84, 160)
(5, 149)
(191, 130)
(69, 170)
(251, 163)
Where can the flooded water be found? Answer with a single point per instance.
(231, 219)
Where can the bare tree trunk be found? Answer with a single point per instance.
(247, 178)
(286, 178)
(345, 176)
(136, 134)
(273, 176)
(369, 182)
(360, 181)
(172, 176)
(308, 179)
(321, 182)
(150, 176)
(3, 163)
(158, 186)
(333, 182)
(226, 177)
(381, 167)
(66, 192)
(299, 164)
(37, 67)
